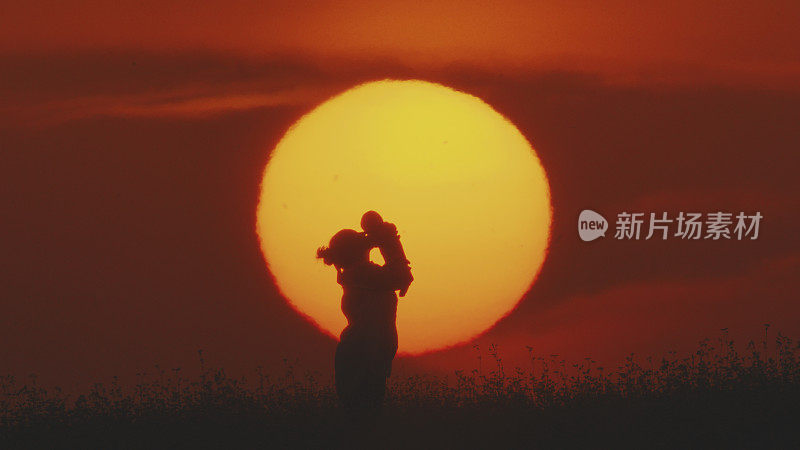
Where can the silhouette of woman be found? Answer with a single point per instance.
(368, 344)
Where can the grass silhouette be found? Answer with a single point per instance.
(716, 397)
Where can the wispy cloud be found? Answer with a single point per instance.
(159, 105)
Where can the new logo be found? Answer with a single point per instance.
(591, 225)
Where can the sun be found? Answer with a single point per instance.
(466, 190)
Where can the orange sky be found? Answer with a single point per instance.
(740, 39)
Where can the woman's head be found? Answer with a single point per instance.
(347, 247)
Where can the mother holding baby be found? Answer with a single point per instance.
(368, 344)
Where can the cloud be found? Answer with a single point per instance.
(48, 88)
(736, 41)
(163, 105)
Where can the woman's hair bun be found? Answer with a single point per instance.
(346, 247)
(324, 253)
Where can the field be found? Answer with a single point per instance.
(721, 396)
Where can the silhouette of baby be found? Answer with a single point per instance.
(384, 235)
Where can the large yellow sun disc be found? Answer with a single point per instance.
(464, 187)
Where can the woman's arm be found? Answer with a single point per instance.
(396, 277)
(397, 268)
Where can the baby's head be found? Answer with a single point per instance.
(371, 221)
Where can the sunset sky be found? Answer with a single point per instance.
(133, 138)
